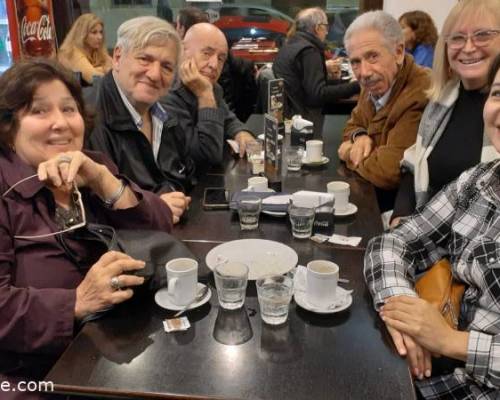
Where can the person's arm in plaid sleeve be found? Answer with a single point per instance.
(392, 259)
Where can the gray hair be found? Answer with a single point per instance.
(378, 20)
(307, 19)
(140, 32)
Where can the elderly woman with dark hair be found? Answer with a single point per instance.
(420, 36)
(461, 221)
(51, 278)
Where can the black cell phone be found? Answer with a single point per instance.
(215, 198)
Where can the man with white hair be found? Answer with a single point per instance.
(301, 63)
(197, 100)
(385, 121)
(134, 129)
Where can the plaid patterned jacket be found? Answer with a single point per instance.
(463, 220)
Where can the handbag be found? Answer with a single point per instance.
(155, 248)
(439, 288)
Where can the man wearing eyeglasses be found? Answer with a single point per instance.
(301, 63)
(385, 121)
(197, 100)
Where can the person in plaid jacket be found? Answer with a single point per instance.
(462, 222)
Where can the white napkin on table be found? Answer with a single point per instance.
(306, 198)
(299, 285)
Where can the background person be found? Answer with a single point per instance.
(187, 17)
(385, 120)
(84, 48)
(301, 63)
(461, 219)
(451, 135)
(50, 281)
(420, 36)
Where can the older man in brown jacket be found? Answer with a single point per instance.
(385, 121)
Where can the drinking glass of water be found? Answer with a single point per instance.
(249, 211)
(301, 219)
(231, 280)
(274, 293)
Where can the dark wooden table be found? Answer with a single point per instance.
(338, 356)
(347, 355)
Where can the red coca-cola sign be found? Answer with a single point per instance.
(35, 28)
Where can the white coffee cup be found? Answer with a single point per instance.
(182, 276)
(322, 278)
(257, 183)
(314, 150)
(341, 190)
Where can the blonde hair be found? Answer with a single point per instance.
(441, 71)
(140, 32)
(76, 39)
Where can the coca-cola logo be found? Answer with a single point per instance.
(40, 30)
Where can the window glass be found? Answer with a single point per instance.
(255, 29)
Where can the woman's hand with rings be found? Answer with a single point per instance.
(106, 283)
(68, 167)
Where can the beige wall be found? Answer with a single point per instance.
(438, 9)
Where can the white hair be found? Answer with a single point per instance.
(140, 32)
(380, 21)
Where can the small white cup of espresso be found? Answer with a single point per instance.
(182, 276)
(257, 184)
(341, 191)
(314, 150)
(321, 283)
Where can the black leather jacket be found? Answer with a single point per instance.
(116, 134)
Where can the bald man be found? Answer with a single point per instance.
(197, 100)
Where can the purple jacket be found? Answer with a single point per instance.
(37, 280)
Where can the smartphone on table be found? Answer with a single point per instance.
(216, 198)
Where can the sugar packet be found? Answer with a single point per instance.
(176, 324)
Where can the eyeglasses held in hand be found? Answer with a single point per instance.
(76, 197)
(482, 38)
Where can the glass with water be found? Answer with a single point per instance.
(249, 212)
(301, 219)
(274, 294)
(231, 280)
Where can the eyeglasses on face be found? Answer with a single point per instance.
(76, 198)
(481, 38)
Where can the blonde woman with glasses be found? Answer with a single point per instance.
(53, 273)
(451, 135)
(84, 48)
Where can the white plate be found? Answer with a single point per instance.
(263, 257)
(261, 137)
(301, 300)
(349, 210)
(324, 160)
(164, 300)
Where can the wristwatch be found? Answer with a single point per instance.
(110, 202)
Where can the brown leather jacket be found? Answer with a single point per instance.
(393, 128)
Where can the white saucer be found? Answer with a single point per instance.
(261, 137)
(324, 160)
(163, 299)
(349, 210)
(301, 300)
(268, 190)
(274, 213)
